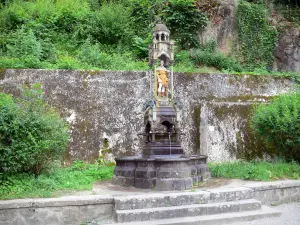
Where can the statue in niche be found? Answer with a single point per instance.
(162, 80)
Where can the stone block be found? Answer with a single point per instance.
(123, 181)
(173, 184)
(230, 194)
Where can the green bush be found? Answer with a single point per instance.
(215, 59)
(32, 135)
(24, 44)
(279, 124)
(89, 53)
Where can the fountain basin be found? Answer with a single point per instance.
(163, 173)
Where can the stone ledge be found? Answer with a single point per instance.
(274, 185)
(56, 202)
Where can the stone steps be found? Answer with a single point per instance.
(213, 206)
(224, 218)
(149, 214)
(182, 198)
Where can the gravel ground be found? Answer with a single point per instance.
(290, 216)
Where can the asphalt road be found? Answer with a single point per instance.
(290, 216)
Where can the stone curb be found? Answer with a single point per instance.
(109, 199)
(56, 202)
(273, 185)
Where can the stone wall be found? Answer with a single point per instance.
(57, 211)
(110, 104)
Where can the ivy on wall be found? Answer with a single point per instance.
(256, 38)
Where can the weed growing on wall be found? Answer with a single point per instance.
(256, 38)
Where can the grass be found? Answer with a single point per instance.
(255, 170)
(81, 176)
(78, 177)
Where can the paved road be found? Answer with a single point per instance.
(290, 216)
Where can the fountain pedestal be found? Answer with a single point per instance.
(163, 164)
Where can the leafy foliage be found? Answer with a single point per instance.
(115, 34)
(182, 17)
(279, 124)
(32, 135)
(209, 57)
(256, 38)
(290, 10)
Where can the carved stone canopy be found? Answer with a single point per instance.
(162, 47)
(161, 27)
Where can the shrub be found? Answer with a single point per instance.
(32, 135)
(89, 53)
(24, 44)
(185, 21)
(279, 124)
(6, 62)
(215, 59)
(111, 24)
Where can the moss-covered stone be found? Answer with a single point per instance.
(2, 73)
(247, 144)
(197, 120)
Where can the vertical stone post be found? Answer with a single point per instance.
(172, 83)
(155, 84)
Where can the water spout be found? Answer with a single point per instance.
(170, 143)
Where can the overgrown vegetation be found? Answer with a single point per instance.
(90, 34)
(208, 56)
(58, 181)
(290, 9)
(255, 170)
(256, 38)
(114, 34)
(279, 125)
(32, 134)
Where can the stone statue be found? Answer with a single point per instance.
(162, 80)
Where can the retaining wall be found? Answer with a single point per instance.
(110, 104)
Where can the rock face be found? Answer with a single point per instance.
(111, 104)
(287, 52)
(222, 30)
(222, 24)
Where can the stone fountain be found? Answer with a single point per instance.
(163, 164)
